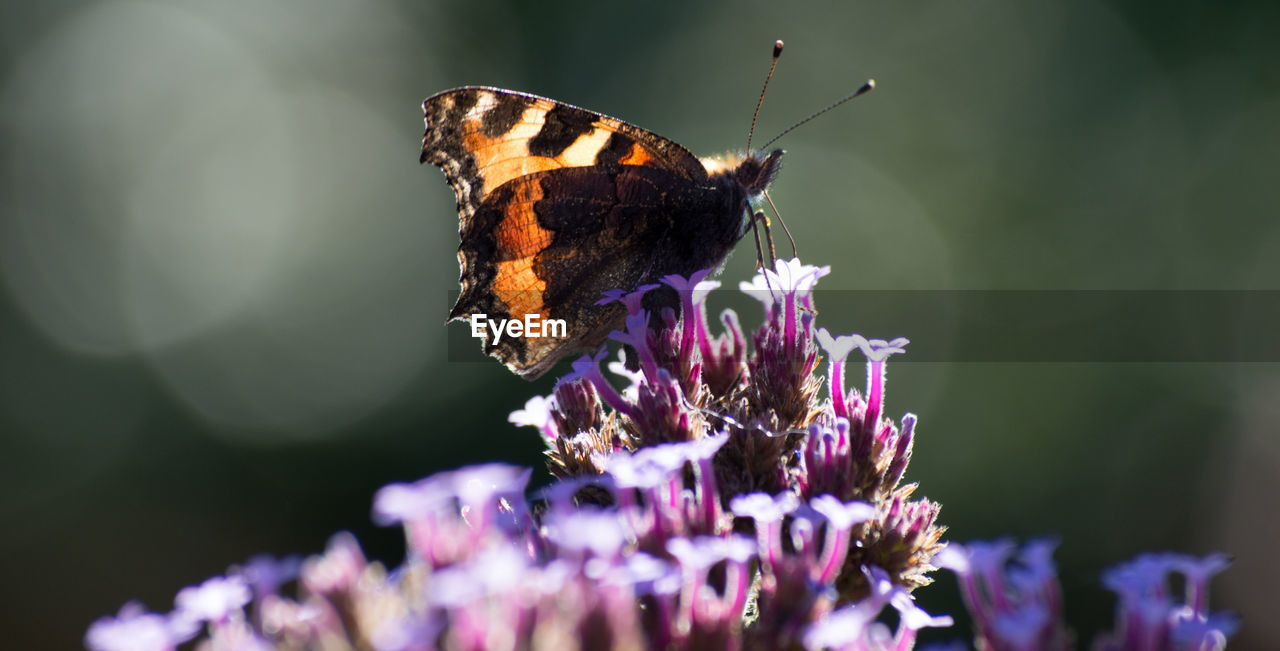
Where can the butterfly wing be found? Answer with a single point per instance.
(551, 243)
(557, 204)
(484, 137)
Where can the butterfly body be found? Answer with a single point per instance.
(558, 204)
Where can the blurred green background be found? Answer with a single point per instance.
(224, 274)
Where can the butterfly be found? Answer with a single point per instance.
(559, 204)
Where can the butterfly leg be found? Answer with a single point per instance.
(760, 218)
(756, 219)
(786, 230)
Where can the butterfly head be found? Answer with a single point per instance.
(756, 171)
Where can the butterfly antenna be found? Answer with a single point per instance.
(777, 52)
(786, 230)
(871, 83)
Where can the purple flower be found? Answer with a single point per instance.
(665, 507)
(648, 574)
(396, 503)
(788, 276)
(863, 464)
(768, 511)
(480, 488)
(559, 495)
(338, 570)
(216, 600)
(1148, 616)
(266, 573)
(491, 572)
(1014, 606)
(693, 291)
(838, 349)
(633, 300)
(855, 627)
(701, 552)
(795, 281)
(429, 511)
(587, 533)
(634, 378)
(406, 634)
(707, 614)
(764, 508)
(292, 620)
(588, 367)
(1198, 572)
(877, 352)
(696, 286)
(537, 413)
(661, 412)
(841, 517)
(635, 334)
(723, 359)
(703, 449)
(646, 468)
(574, 407)
(238, 636)
(134, 629)
(700, 453)
(430, 508)
(851, 627)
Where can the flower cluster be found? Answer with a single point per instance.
(1016, 602)
(686, 384)
(1014, 605)
(714, 498)
(1149, 617)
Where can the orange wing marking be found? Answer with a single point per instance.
(503, 158)
(636, 156)
(519, 239)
